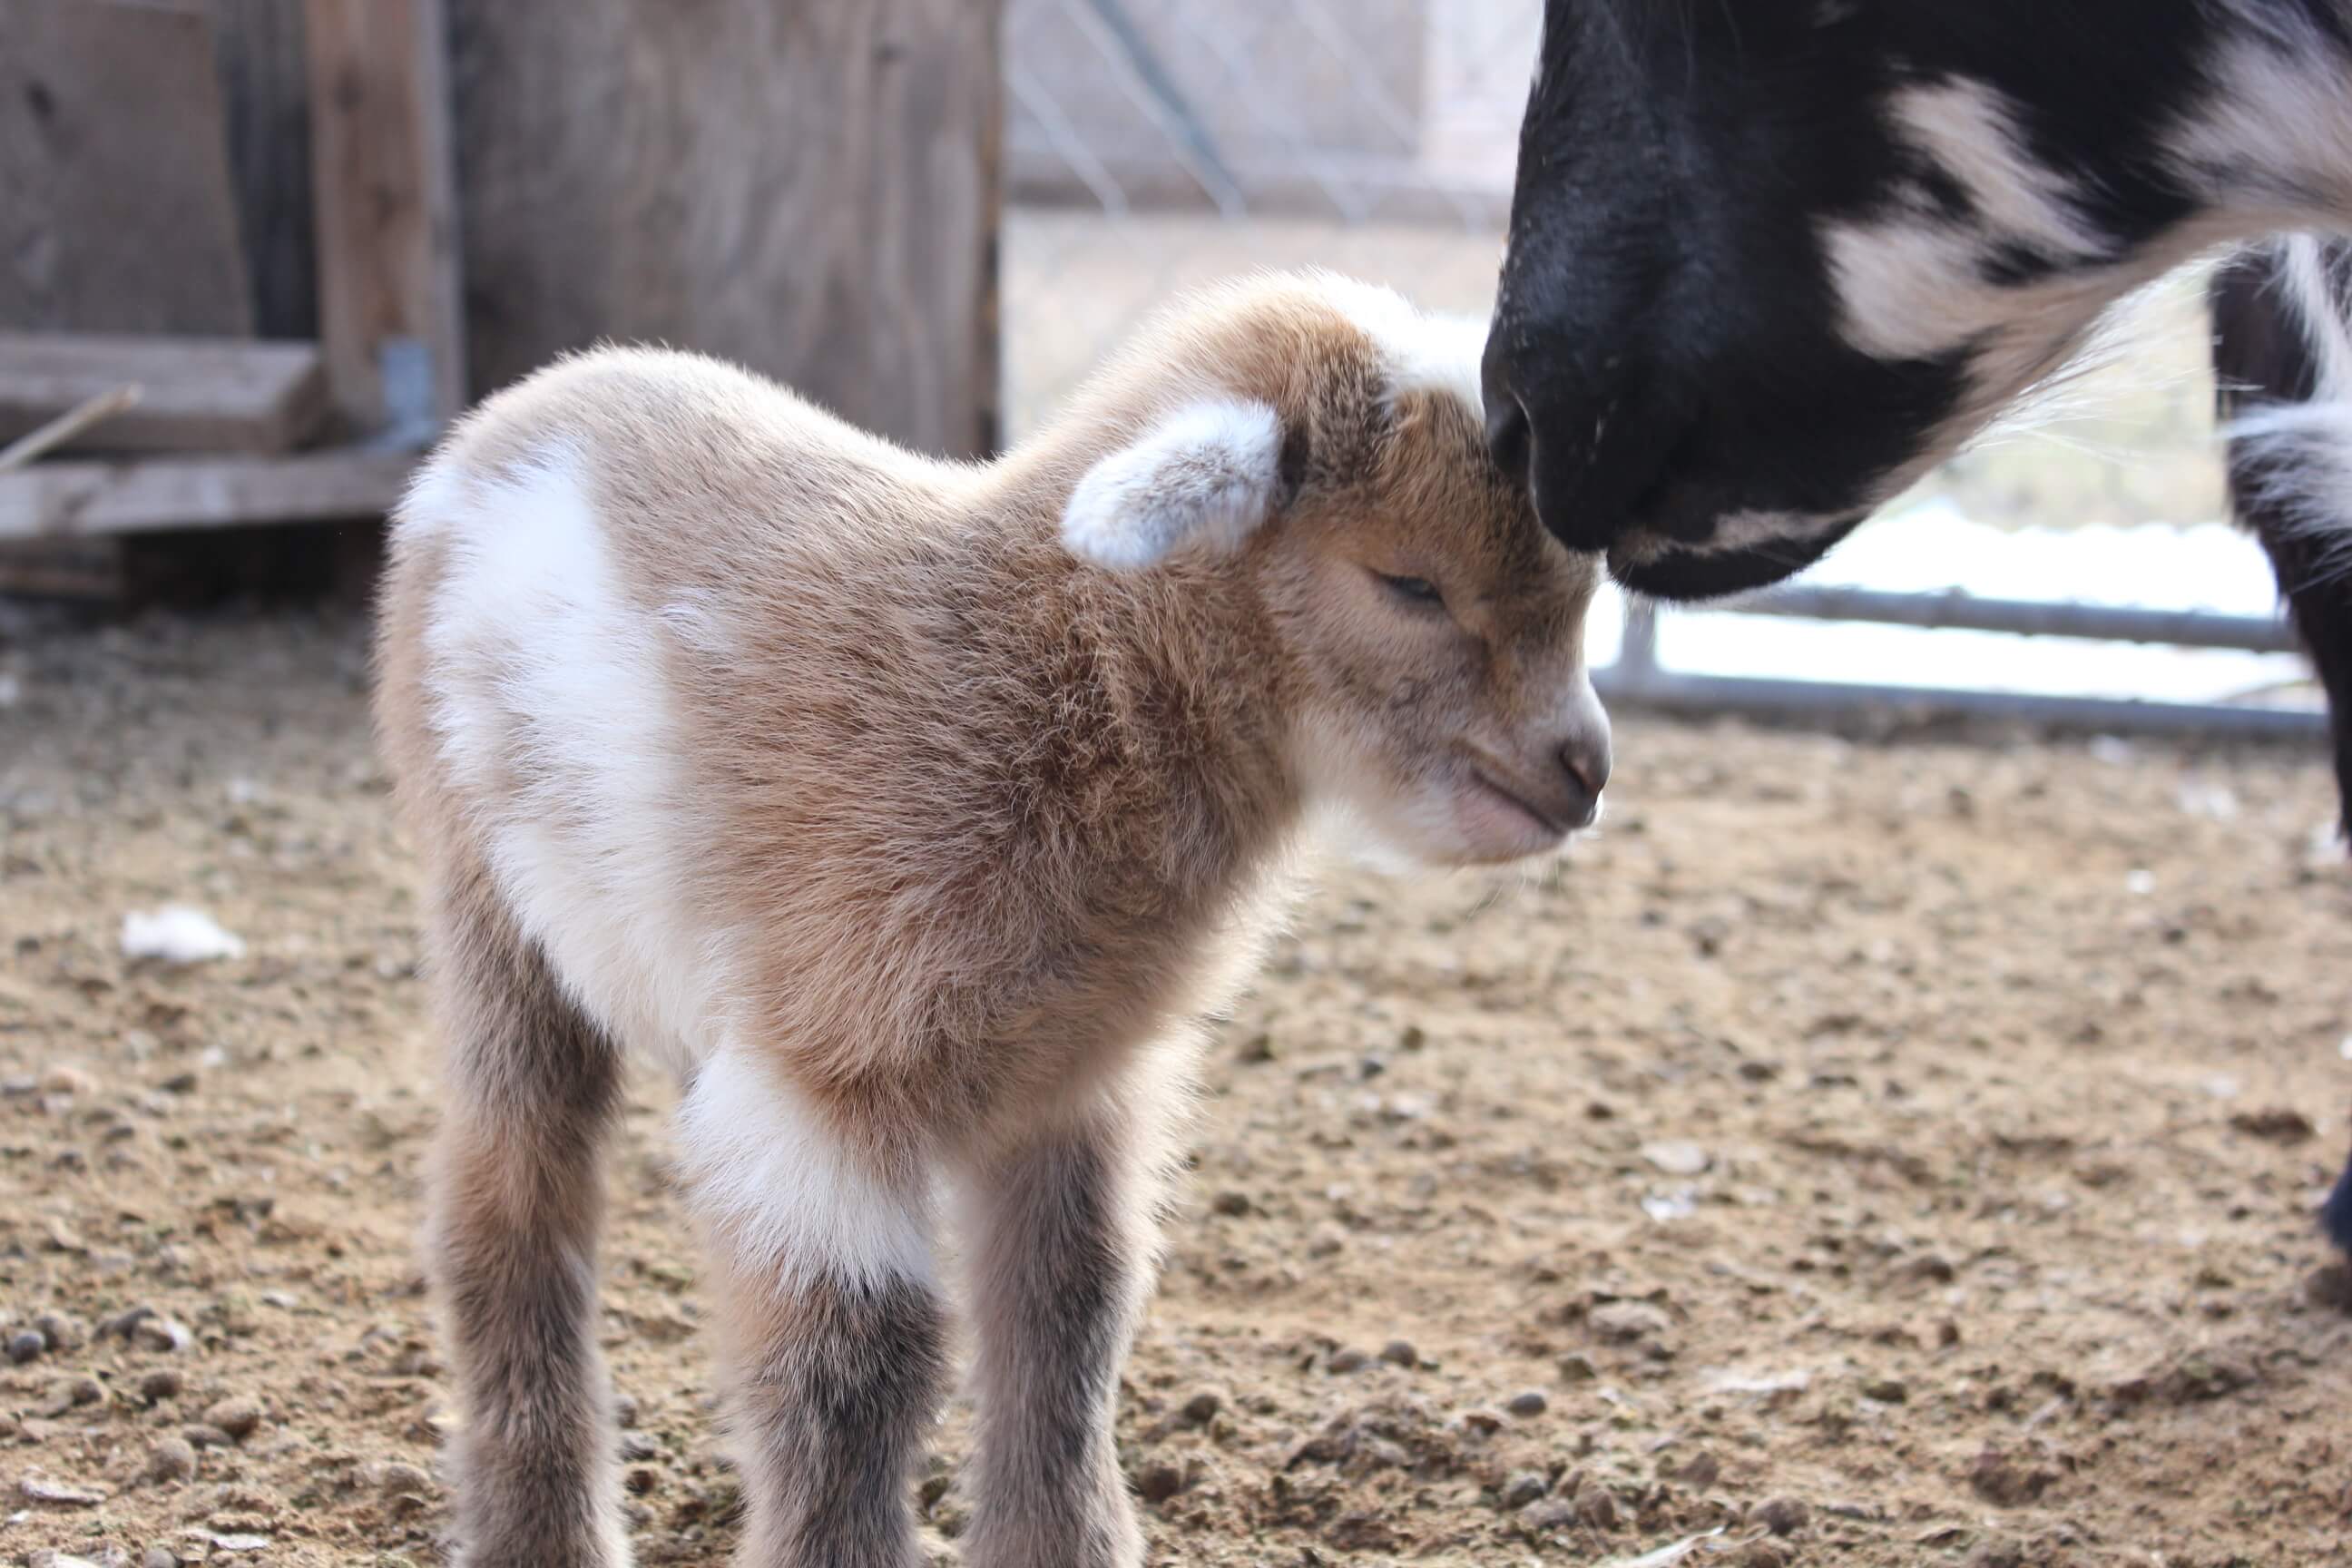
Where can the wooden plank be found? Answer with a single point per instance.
(197, 394)
(62, 568)
(69, 499)
(385, 198)
(117, 214)
(809, 189)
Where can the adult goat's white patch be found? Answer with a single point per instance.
(2273, 128)
(1205, 477)
(786, 1192)
(547, 689)
(2298, 456)
(1912, 282)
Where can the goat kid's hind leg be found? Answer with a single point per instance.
(1063, 1237)
(833, 1335)
(517, 1202)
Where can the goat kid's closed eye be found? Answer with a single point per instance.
(1412, 589)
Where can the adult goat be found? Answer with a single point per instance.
(1771, 260)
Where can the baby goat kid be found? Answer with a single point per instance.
(910, 812)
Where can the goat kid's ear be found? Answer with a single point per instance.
(1205, 477)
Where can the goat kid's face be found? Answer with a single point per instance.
(1769, 260)
(1433, 632)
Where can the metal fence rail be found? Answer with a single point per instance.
(1636, 679)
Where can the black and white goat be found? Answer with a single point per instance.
(1773, 259)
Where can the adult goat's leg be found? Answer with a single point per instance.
(2282, 357)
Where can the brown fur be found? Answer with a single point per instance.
(975, 825)
(515, 1226)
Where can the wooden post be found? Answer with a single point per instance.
(389, 311)
(265, 92)
(809, 188)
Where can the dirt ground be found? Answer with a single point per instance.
(1882, 1153)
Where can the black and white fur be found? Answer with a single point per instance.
(2283, 355)
(1771, 260)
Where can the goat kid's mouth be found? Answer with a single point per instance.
(1488, 780)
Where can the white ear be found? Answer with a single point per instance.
(1207, 474)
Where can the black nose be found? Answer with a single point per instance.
(1507, 432)
(1586, 764)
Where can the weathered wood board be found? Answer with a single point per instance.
(810, 189)
(197, 394)
(112, 220)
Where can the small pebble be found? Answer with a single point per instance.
(1159, 1481)
(173, 1459)
(1886, 1390)
(237, 1416)
(124, 1324)
(25, 1346)
(1400, 1352)
(1201, 1408)
(1677, 1159)
(1578, 1369)
(636, 1445)
(1524, 1488)
(163, 1383)
(398, 1478)
(1547, 1514)
(163, 1334)
(1596, 1509)
(204, 1436)
(1782, 1515)
(62, 1334)
(1700, 1472)
(1349, 1360)
(157, 1557)
(1231, 1203)
(1531, 1403)
(1621, 1323)
(66, 1078)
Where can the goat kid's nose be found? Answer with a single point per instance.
(1585, 760)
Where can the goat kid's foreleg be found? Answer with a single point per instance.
(1062, 1228)
(832, 1336)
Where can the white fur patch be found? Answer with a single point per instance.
(546, 686)
(1203, 477)
(2276, 130)
(1911, 282)
(2302, 452)
(768, 1173)
(1422, 351)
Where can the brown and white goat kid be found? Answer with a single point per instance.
(911, 813)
